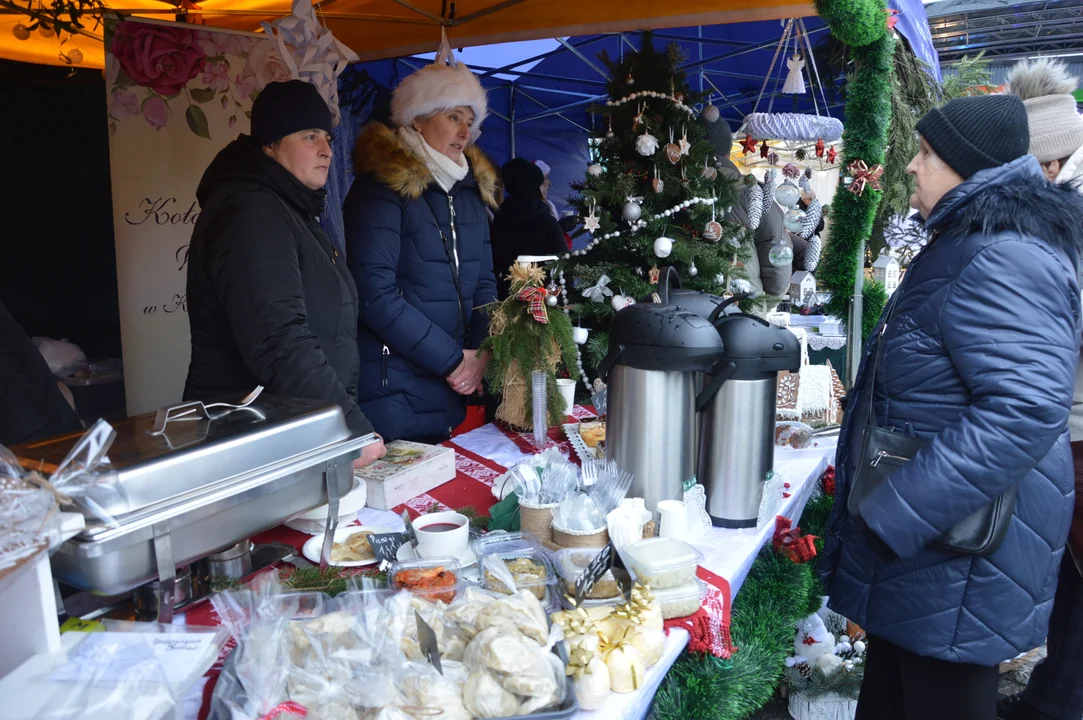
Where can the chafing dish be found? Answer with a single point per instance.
(191, 483)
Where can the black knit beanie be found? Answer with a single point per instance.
(975, 133)
(522, 177)
(283, 108)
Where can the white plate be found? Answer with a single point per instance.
(314, 546)
(406, 552)
(584, 452)
(348, 504)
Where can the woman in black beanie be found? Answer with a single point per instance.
(270, 300)
(523, 225)
(954, 473)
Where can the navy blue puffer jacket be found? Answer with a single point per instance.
(420, 297)
(979, 359)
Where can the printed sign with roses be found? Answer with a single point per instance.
(155, 70)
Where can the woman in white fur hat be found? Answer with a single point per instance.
(417, 243)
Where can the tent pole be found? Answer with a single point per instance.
(853, 326)
(511, 116)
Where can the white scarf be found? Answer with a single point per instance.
(444, 170)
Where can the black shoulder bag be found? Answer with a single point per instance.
(884, 451)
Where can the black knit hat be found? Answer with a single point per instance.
(975, 133)
(283, 108)
(522, 177)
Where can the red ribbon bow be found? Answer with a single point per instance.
(864, 175)
(535, 296)
(790, 542)
(829, 480)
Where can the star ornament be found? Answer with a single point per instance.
(748, 145)
(591, 222)
(832, 154)
(684, 145)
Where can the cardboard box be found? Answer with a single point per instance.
(408, 470)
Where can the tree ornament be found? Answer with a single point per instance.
(772, 158)
(580, 335)
(711, 114)
(864, 176)
(646, 144)
(653, 275)
(754, 196)
(781, 253)
(536, 298)
(791, 171)
(619, 302)
(663, 246)
(632, 209)
(693, 270)
(801, 154)
(820, 148)
(740, 286)
(764, 150)
(787, 194)
(832, 154)
(685, 146)
(599, 291)
(609, 133)
(709, 172)
(794, 220)
(638, 119)
(712, 231)
(591, 223)
(594, 169)
(673, 150)
(657, 184)
(630, 80)
(21, 32)
(551, 300)
(748, 145)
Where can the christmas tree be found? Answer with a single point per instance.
(652, 196)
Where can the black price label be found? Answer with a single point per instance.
(598, 567)
(622, 575)
(385, 546)
(411, 536)
(426, 638)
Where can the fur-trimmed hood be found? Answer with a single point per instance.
(1015, 197)
(379, 152)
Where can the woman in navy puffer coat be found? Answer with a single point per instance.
(978, 359)
(417, 244)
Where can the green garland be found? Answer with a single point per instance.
(861, 24)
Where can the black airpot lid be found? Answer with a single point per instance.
(648, 336)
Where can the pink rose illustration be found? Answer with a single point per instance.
(161, 58)
(222, 44)
(216, 76)
(156, 112)
(267, 64)
(245, 84)
(123, 105)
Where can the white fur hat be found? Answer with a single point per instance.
(439, 87)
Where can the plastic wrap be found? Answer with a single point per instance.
(793, 434)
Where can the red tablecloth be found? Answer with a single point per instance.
(472, 486)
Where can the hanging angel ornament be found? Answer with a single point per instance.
(684, 145)
(795, 80)
(637, 120)
(590, 222)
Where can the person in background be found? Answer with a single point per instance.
(417, 241)
(546, 184)
(1054, 691)
(523, 225)
(977, 358)
(31, 404)
(270, 301)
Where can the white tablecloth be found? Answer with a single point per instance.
(728, 553)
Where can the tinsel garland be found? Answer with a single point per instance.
(862, 25)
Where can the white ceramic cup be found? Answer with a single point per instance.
(674, 522)
(567, 389)
(452, 542)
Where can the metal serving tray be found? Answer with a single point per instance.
(203, 485)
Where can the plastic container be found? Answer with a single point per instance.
(796, 435)
(503, 542)
(680, 601)
(570, 564)
(662, 562)
(428, 578)
(535, 556)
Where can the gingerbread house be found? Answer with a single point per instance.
(812, 394)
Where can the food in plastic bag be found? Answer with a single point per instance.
(592, 686)
(793, 434)
(388, 712)
(627, 670)
(520, 666)
(465, 610)
(521, 611)
(427, 693)
(551, 697)
(485, 698)
(450, 643)
(650, 644)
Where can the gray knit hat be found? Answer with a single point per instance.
(1056, 128)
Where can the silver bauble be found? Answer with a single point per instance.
(793, 219)
(551, 300)
(632, 211)
(787, 194)
(711, 114)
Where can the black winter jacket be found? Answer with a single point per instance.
(31, 406)
(270, 302)
(523, 226)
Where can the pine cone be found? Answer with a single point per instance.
(804, 670)
(801, 154)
